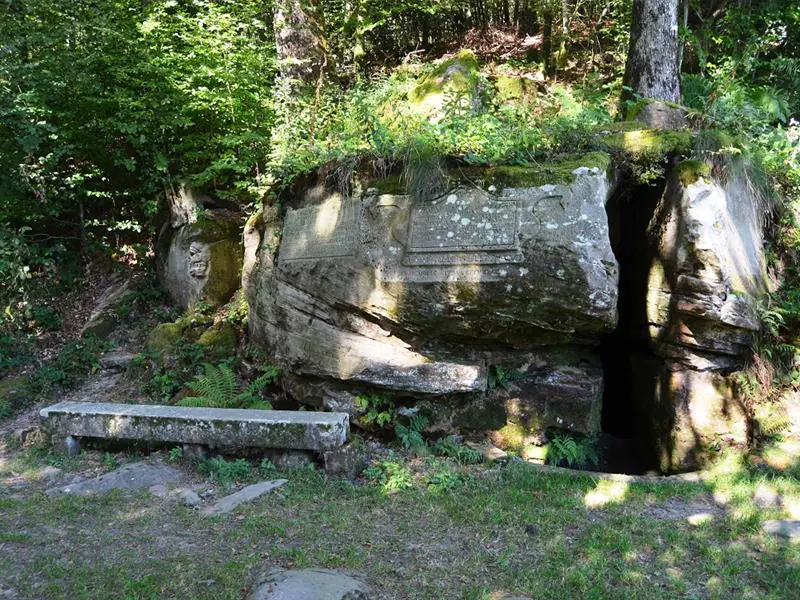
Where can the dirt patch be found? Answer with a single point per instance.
(680, 509)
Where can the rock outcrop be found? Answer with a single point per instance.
(706, 276)
(200, 255)
(484, 303)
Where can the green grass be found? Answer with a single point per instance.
(506, 528)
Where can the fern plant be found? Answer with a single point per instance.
(411, 435)
(217, 387)
(574, 451)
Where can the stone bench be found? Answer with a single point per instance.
(319, 432)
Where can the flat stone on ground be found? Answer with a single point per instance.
(785, 529)
(248, 494)
(134, 476)
(310, 584)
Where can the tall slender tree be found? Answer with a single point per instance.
(653, 67)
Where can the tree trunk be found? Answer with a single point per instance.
(299, 41)
(652, 70)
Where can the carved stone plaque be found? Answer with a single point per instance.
(463, 228)
(328, 230)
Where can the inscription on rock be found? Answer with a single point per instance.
(463, 228)
(329, 230)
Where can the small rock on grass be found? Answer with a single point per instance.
(310, 584)
(190, 498)
(785, 529)
(248, 494)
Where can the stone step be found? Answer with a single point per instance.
(215, 427)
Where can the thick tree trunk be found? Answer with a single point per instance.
(653, 69)
(299, 41)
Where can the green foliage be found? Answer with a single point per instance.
(380, 412)
(572, 450)
(217, 387)
(109, 461)
(176, 454)
(503, 377)
(76, 360)
(266, 468)
(442, 477)
(450, 447)
(391, 475)
(771, 421)
(223, 471)
(410, 434)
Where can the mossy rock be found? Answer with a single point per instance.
(219, 340)
(511, 89)
(561, 172)
(690, 171)
(164, 337)
(457, 77)
(648, 145)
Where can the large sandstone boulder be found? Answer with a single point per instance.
(706, 278)
(200, 254)
(492, 295)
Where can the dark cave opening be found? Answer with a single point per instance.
(630, 211)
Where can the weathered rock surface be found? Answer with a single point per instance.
(309, 584)
(706, 277)
(134, 476)
(424, 299)
(199, 249)
(785, 529)
(251, 492)
(215, 427)
(104, 315)
(203, 261)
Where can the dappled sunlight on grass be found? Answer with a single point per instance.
(607, 491)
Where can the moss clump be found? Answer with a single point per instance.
(689, 171)
(219, 340)
(560, 172)
(164, 337)
(649, 145)
(458, 75)
(510, 437)
(514, 89)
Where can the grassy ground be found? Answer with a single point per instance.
(456, 532)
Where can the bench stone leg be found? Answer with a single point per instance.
(69, 445)
(195, 452)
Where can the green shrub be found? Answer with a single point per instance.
(223, 471)
(391, 475)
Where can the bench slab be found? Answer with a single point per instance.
(216, 427)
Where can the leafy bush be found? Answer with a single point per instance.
(391, 475)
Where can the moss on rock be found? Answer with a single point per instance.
(648, 145)
(689, 171)
(219, 340)
(561, 172)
